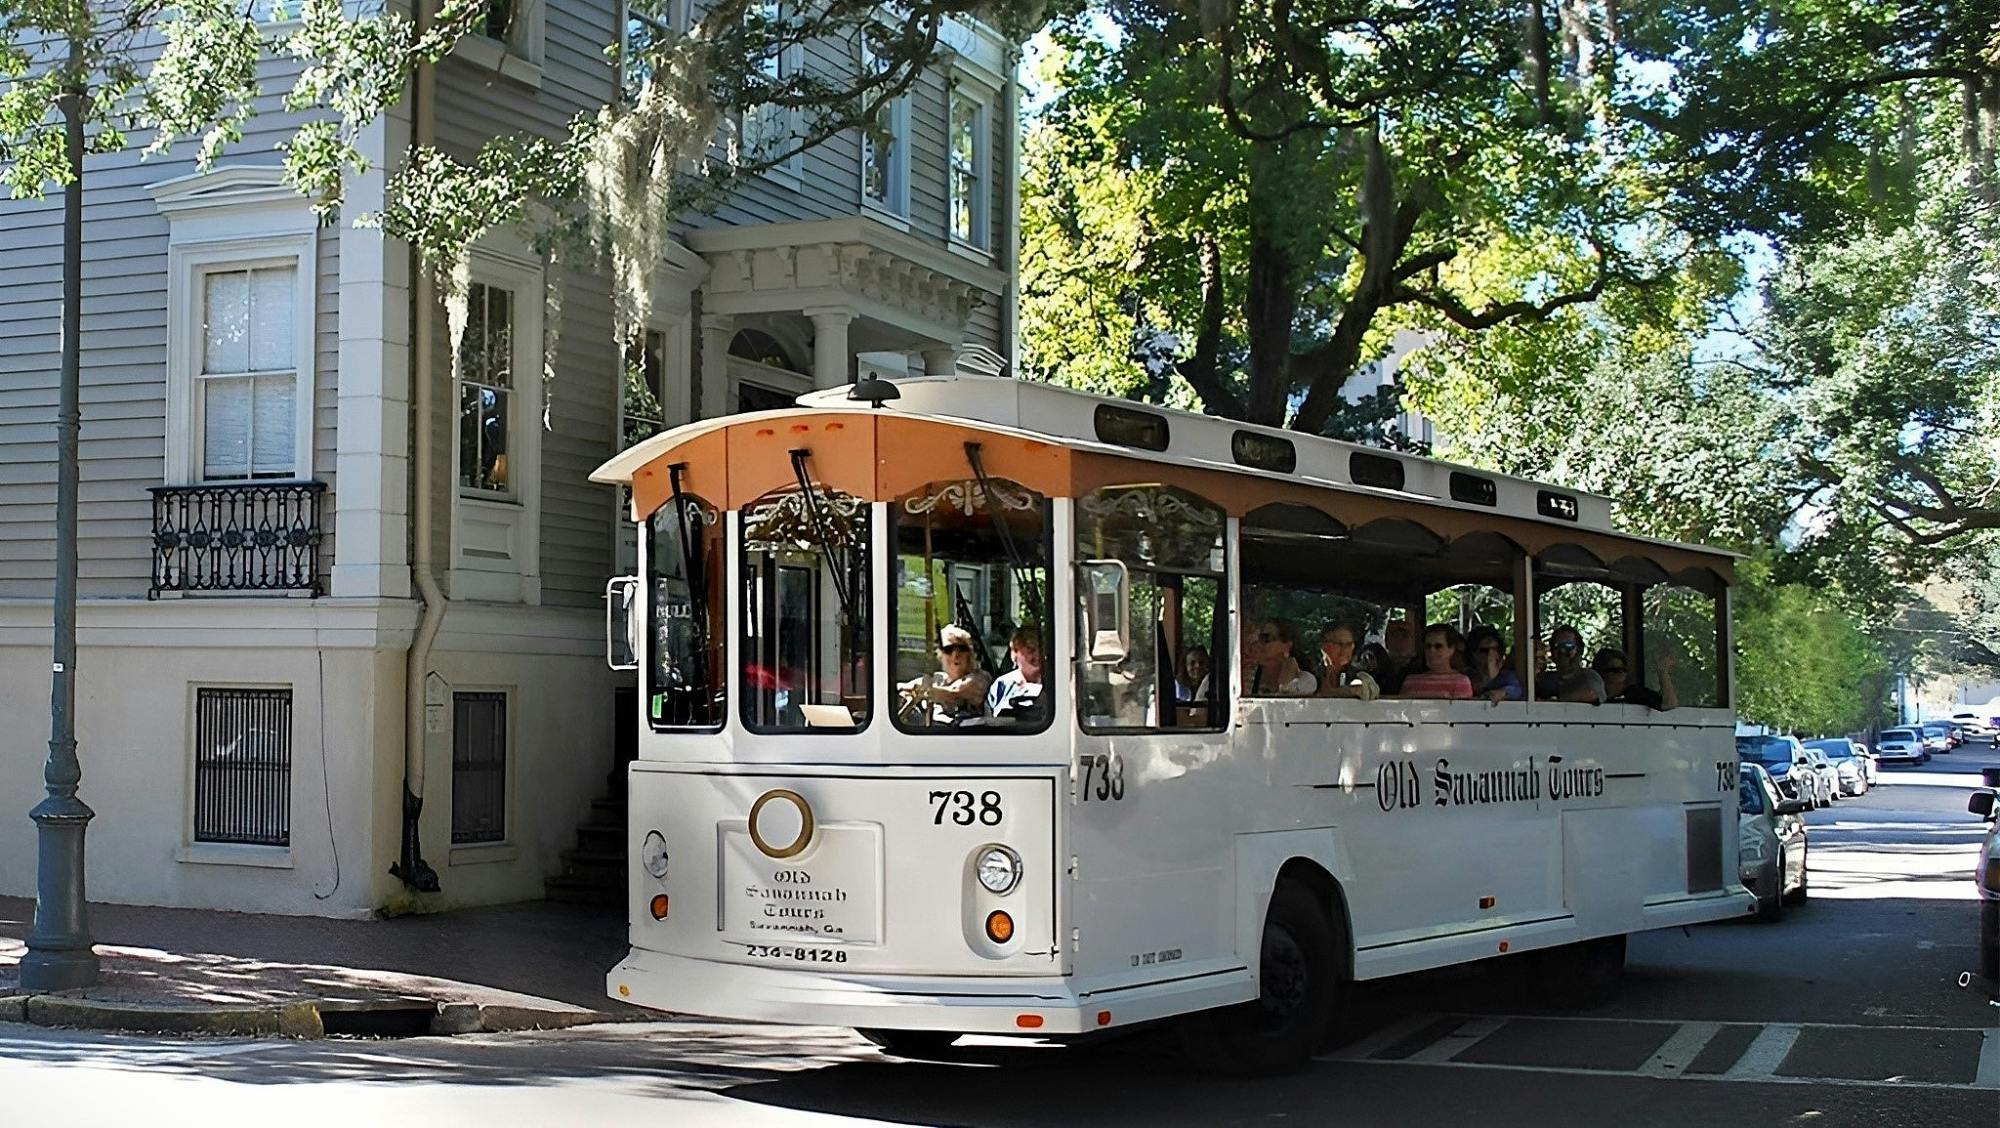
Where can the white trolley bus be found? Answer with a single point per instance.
(820, 833)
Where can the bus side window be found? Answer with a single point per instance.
(1170, 671)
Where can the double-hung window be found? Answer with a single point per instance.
(767, 128)
(248, 377)
(885, 150)
(486, 415)
(967, 145)
(241, 274)
(648, 23)
(496, 534)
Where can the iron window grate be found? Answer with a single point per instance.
(478, 767)
(243, 766)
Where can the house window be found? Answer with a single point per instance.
(967, 144)
(645, 386)
(648, 23)
(248, 374)
(885, 152)
(486, 391)
(478, 768)
(764, 128)
(243, 766)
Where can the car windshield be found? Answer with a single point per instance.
(1765, 749)
(1834, 749)
(1898, 734)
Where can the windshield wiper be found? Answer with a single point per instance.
(1023, 575)
(836, 556)
(696, 680)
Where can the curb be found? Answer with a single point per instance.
(303, 1019)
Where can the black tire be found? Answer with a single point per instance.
(917, 1045)
(1771, 910)
(1299, 985)
(1579, 976)
(1797, 897)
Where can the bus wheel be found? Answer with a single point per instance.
(917, 1045)
(1581, 975)
(1298, 984)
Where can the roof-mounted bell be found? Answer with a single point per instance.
(874, 390)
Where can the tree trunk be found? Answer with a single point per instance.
(1269, 306)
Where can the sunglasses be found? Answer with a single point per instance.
(1566, 647)
(955, 648)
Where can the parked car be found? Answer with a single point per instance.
(1826, 774)
(1772, 842)
(1871, 764)
(1985, 803)
(1901, 746)
(1938, 737)
(1785, 759)
(1851, 776)
(1974, 726)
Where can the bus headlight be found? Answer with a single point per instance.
(653, 854)
(999, 869)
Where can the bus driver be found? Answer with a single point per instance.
(958, 689)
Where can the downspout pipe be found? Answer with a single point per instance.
(410, 865)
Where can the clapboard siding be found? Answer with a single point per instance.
(122, 448)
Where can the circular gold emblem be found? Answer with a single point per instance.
(805, 817)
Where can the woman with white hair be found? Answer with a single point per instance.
(959, 687)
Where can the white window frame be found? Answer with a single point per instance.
(508, 847)
(229, 853)
(496, 540)
(677, 20)
(519, 55)
(896, 209)
(199, 214)
(783, 119)
(980, 238)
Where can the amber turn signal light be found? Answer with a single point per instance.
(999, 927)
(659, 906)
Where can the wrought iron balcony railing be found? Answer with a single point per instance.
(241, 536)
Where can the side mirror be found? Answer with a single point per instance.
(1981, 804)
(621, 623)
(1793, 806)
(1107, 608)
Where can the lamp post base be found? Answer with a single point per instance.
(60, 956)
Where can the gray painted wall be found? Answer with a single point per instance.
(123, 446)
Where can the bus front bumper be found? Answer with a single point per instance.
(966, 1005)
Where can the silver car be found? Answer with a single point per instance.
(1851, 770)
(1772, 842)
(1901, 746)
(1825, 774)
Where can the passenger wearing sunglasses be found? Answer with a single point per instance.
(1443, 674)
(1571, 680)
(1620, 688)
(1492, 678)
(958, 689)
(1271, 664)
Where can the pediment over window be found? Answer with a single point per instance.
(230, 187)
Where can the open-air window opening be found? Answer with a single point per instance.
(1165, 547)
(970, 597)
(806, 617)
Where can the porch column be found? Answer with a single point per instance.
(940, 361)
(717, 331)
(832, 362)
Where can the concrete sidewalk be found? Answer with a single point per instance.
(530, 965)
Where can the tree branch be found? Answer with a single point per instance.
(1201, 369)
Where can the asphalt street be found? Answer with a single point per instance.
(1848, 1011)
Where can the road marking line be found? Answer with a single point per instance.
(1382, 1039)
(1988, 1074)
(1672, 1058)
(1766, 1052)
(1467, 1035)
(1774, 1079)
